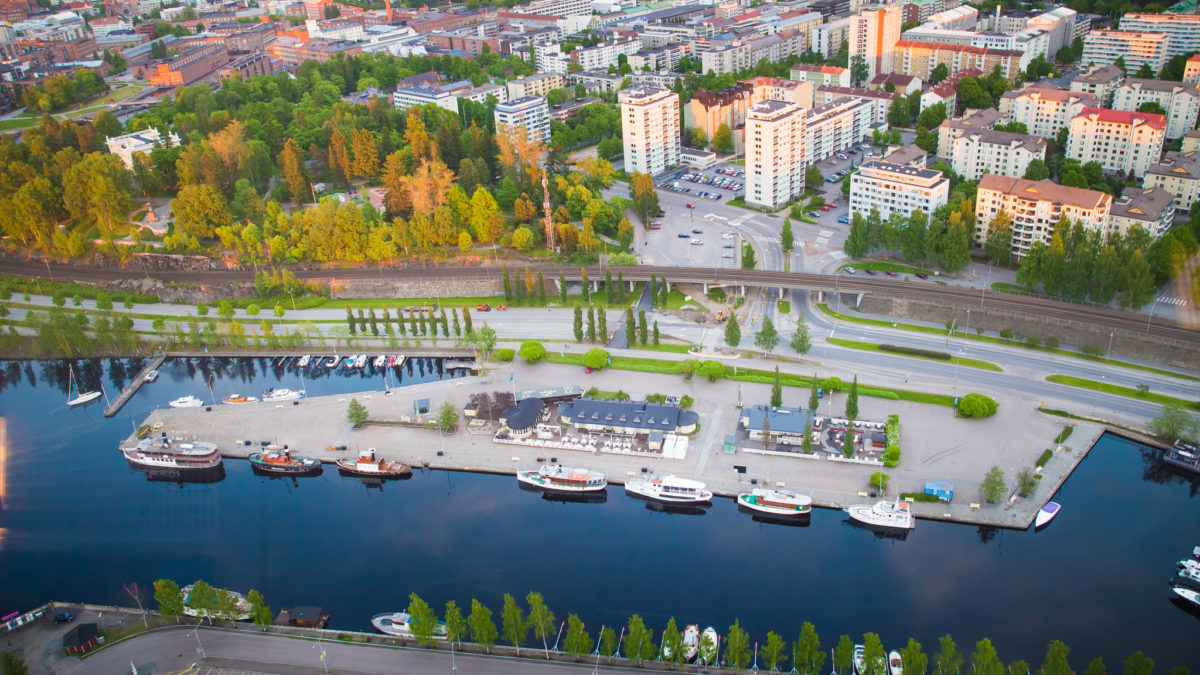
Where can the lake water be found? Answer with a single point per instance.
(76, 523)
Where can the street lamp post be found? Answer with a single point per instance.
(1108, 351)
(200, 648)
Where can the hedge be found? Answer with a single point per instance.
(919, 497)
(913, 351)
(503, 355)
(1045, 457)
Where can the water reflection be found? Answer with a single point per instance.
(191, 476)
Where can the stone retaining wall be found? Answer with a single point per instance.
(390, 288)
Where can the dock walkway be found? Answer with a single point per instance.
(132, 388)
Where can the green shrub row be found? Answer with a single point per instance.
(1045, 457)
(10, 285)
(919, 497)
(914, 351)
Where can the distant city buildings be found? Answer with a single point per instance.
(1043, 110)
(531, 113)
(650, 129)
(920, 59)
(896, 188)
(1182, 31)
(1100, 81)
(1179, 174)
(1180, 100)
(1035, 207)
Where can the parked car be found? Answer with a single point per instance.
(844, 220)
(714, 196)
(870, 272)
(697, 242)
(727, 235)
(683, 235)
(661, 214)
(64, 617)
(850, 270)
(483, 307)
(922, 275)
(728, 245)
(726, 255)
(501, 307)
(826, 207)
(696, 231)
(889, 273)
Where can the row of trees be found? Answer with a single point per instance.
(944, 241)
(209, 603)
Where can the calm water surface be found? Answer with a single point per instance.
(77, 523)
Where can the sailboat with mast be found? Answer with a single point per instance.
(82, 398)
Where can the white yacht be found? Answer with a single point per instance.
(379, 361)
(777, 502)
(691, 642)
(333, 361)
(895, 663)
(559, 478)
(150, 376)
(360, 361)
(277, 394)
(669, 489)
(83, 397)
(186, 402)
(1189, 594)
(883, 514)
(400, 623)
(710, 645)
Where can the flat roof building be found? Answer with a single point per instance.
(627, 417)
(531, 113)
(650, 129)
(896, 188)
(1104, 47)
(999, 152)
(775, 158)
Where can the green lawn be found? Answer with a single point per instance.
(677, 349)
(885, 266)
(783, 307)
(1005, 287)
(1129, 392)
(998, 340)
(872, 347)
(676, 299)
(739, 162)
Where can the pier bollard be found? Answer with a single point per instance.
(440, 453)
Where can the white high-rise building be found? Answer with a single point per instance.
(1181, 30)
(897, 188)
(530, 112)
(1104, 47)
(1125, 142)
(873, 36)
(650, 129)
(1045, 111)
(775, 158)
(1035, 208)
(999, 152)
(1180, 100)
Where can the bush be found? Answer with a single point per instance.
(879, 480)
(830, 384)
(592, 392)
(913, 351)
(919, 497)
(656, 398)
(532, 351)
(1026, 483)
(1093, 350)
(688, 368)
(1033, 342)
(891, 457)
(503, 355)
(717, 295)
(1051, 342)
(620, 396)
(595, 358)
(1045, 457)
(713, 370)
(976, 405)
(686, 401)
(1065, 433)
(1006, 333)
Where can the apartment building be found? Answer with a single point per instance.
(1125, 142)
(1179, 174)
(998, 152)
(775, 159)
(708, 110)
(1102, 81)
(650, 129)
(535, 85)
(1035, 207)
(1150, 208)
(827, 38)
(1044, 111)
(834, 127)
(1191, 141)
(1180, 100)
(951, 129)
(1104, 47)
(946, 91)
(144, 141)
(896, 188)
(424, 94)
(596, 80)
(1191, 69)
(880, 101)
(919, 59)
(1182, 31)
(830, 76)
(530, 112)
(558, 7)
(873, 37)
(666, 57)
(604, 54)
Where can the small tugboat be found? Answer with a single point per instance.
(669, 490)
(150, 376)
(883, 514)
(235, 399)
(181, 453)
(561, 479)
(895, 663)
(1046, 514)
(777, 503)
(1184, 456)
(369, 466)
(710, 645)
(400, 624)
(275, 395)
(277, 460)
(186, 402)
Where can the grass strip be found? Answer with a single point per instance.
(1128, 392)
(885, 267)
(872, 347)
(1002, 341)
(1065, 433)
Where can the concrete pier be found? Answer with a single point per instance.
(134, 385)
(935, 444)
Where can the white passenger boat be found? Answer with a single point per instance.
(895, 663)
(360, 361)
(1189, 594)
(559, 478)
(400, 624)
(691, 642)
(380, 361)
(777, 503)
(669, 489)
(186, 402)
(277, 394)
(1046, 514)
(180, 453)
(883, 514)
(1189, 565)
(710, 646)
(304, 361)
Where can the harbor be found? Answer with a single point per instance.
(399, 429)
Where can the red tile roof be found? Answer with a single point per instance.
(1152, 120)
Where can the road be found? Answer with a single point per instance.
(175, 650)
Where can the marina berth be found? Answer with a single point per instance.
(883, 515)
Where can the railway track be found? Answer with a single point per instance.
(967, 298)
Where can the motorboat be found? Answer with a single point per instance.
(349, 361)
(83, 397)
(777, 502)
(1196, 553)
(400, 624)
(391, 361)
(304, 361)
(562, 479)
(180, 453)
(150, 376)
(883, 514)
(333, 361)
(379, 361)
(241, 603)
(895, 663)
(860, 662)
(277, 394)
(710, 646)
(360, 361)
(236, 399)
(368, 465)
(669, 489)
(1189, 565)
(1190, 594)
(281, 461)
(691, 642)
(1046, 514)
(186, 402)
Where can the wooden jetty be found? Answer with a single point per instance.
(132, 387)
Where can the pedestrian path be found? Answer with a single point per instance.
(1169, 300)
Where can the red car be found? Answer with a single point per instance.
(826, 207)
(588, 369)
(691, 206)
(889, 273)
(501, 308)
(922, 275)
(483, 308)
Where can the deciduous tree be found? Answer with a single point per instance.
(483, 629)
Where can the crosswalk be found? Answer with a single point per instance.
(1169, 300)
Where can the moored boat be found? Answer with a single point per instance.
(710, 645)
(883, 514)
(379, 361)
(304, 361)
(777, 503)
(391, 361)
(1046, 514)
(562, 479)
(1196, 553)
(691, 642)
(895, 663)
(860, 663)
(669, 489)
(280, 461)
(235, 399)
(83, 397)
(333, 361)
(240, 613)
(1190, 594)
(277, 394)
(181, 453)
(400, 624)
(369, 465)
(186, 402)
(150, 376)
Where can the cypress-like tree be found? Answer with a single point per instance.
(630, 327)
(591, 326)
(578, 323)
(852, 401)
